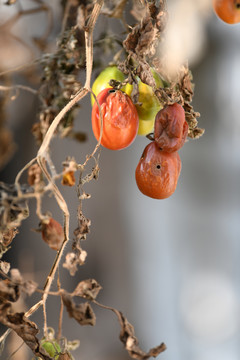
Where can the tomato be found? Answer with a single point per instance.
(120, 119)
(102, 81)
(150, 105)
(145, 127)
(157, 172)
(171, 128)
(227, 10)
(52, 348)
(52, 233)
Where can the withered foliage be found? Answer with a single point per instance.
(128, 338)
(23, 327)
(87, 289)
(58, 83)
(82, 313)
(13, 209)
(9, 291)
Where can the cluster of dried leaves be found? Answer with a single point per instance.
(59, 92)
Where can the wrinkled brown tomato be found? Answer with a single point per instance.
(52, 233)
(171, 128)
(120, 119)
(157, 172)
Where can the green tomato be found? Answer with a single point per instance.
(102, 81)
(145, 127)
(52, 348)
(150, 103)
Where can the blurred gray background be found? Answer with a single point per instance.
(171, 266)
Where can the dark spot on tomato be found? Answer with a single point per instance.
(111, 91)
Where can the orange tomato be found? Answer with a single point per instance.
(157, 172)
(120, 119)
(227, 10)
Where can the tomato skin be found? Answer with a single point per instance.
(145, 127)
(171, 128)
(150, 105)
(120, 119)
(52, 348)
(227, 10)
(157, 172)
(102, 80)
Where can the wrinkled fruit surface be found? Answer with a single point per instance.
(171, 128)
(52, 233)
(157, 172)
(120, 119)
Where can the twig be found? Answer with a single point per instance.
(20, 87)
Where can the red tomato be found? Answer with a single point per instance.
(157, 172)
(120, 119)
(227, 10)
(171, 128)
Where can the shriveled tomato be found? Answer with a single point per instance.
(52, 233)
(120, 119)
(157, 172)
(171, 128)
(227, 10)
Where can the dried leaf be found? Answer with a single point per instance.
(72, 261)
(82, 313)
(7, 237)
(29, 287)
(88, 289)
(23, 327)
(12, 209)
(16, 277)
(141, 42)
(83, 227)
(35, 175)
(128, 338)
(8, 291)
(4, 266)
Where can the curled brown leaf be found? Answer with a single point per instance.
(23, 327)
(82, 313)
(88, 289)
